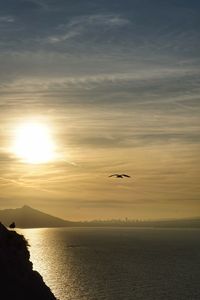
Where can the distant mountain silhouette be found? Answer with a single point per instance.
(27, 217)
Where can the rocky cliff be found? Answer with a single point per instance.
(18, 280)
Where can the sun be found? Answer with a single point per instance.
(33, 143)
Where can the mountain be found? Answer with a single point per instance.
(18, 279)
(27, 217)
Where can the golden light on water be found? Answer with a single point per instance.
(33, 143)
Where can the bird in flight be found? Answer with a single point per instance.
(120, 175)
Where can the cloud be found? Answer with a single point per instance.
(7, 19)
(88, 24)
(138, 140)
(141, 76)
(162, 89)
(101, 20)
(68, 27)
(26, 6)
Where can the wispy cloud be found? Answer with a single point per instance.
(7, 19)
(88, 24)
(139, 76)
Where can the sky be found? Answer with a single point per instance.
(117, 84)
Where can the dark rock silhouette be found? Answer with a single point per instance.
(17, 278)
(12, 225)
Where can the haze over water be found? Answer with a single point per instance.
(118, 263)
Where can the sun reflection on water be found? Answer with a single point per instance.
(51, 257)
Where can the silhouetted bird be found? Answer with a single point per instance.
(12, 225)
(119, 175)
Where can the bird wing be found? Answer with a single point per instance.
(113, 175)
(125, 175)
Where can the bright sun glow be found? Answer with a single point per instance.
(33, 143)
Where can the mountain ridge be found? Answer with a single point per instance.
(28, 217)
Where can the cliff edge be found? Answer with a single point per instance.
(18, 280)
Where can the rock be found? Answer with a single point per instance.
(18, 280)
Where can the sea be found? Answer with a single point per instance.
(117, 263)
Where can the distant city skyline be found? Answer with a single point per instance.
(93, 88)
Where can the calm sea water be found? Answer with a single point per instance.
(117, 264)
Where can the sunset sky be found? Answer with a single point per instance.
(115, 86)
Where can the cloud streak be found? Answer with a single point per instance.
(7, 19)
(87, 24)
